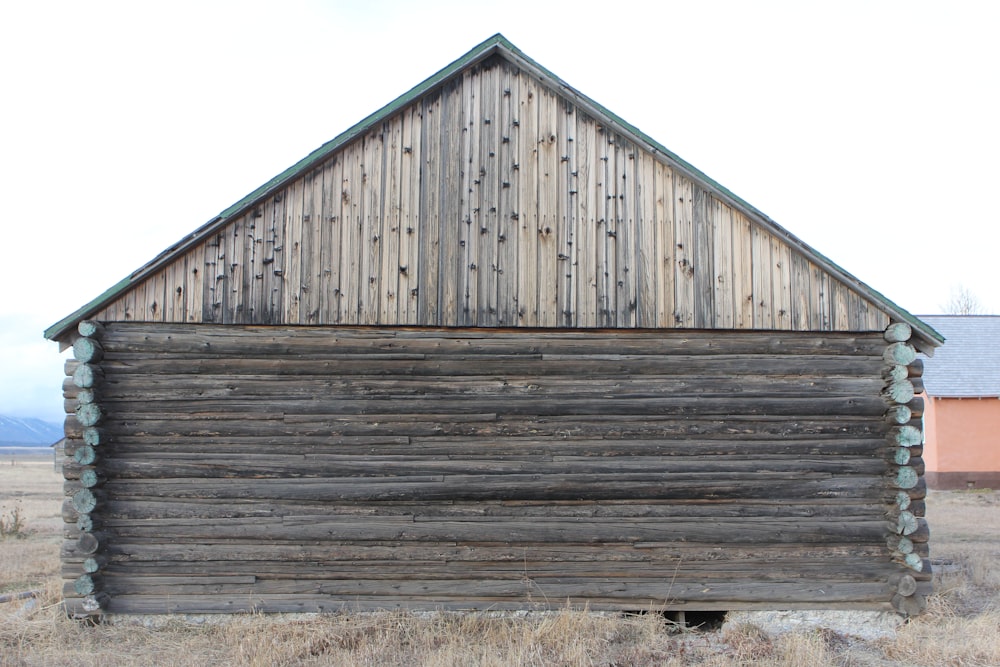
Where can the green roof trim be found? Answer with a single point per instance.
(497, 44)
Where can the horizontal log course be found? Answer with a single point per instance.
(493, 529)
(916, 407)
(918, 385)
(915, 369)
(207, 340)
(374, 465)
(511, 487)
(458, 366)
(921, 533)
(279, 427)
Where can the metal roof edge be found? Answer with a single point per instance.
(497, 44)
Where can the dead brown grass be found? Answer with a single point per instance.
(960, 627)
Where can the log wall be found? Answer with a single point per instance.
(238, 468)
(496, 201)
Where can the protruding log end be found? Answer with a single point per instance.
(905, 436)
(904, 584)
(87, 376)
(84, 501)
(900, 353)
(898, 414)
(88, 543)
(87, 351)
(899, 391)
(94, 436)
(84, 455)
(92, 329)
(89, 414)
(905, 477)
(84, 584)
(898, 332)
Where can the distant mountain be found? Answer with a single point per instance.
(18, 432)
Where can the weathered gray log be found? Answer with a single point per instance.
(94, 563)
(903, 500)
(905, 436)
(922, 532)
(86, 396)
(895, 373)
(87, 376)
(900, 543)
(89, 414)
(84, 584)
(898, 414)
(901, 456)
(905, 477)
(90, 329)
(916, 407)
(906, 523)
(897, 332)
(22, 595)
(916, 368)
(94, 436)
(69, 512)
(904, 583)
(899, 353)
(90, 478)
(898, 391)
(85, 455)
(89, 543)
(918, 385)
(918, 508)
(84, 501)
(85, 523)
(87, 351)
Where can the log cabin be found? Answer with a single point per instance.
(492, 348)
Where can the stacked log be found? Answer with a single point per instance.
(908, 531)
(82, 552)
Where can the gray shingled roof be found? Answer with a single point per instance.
(969, 364)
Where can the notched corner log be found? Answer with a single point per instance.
(898, 332)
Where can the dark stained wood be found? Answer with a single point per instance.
(315, 468)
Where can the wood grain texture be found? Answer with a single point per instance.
(493, 201)
(291, 468)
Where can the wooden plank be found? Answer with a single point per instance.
(389, 274)
(373, 183)
(469, 221)
(453, 228)
(352, 248)
(721, 216)
(527, 168)
(587, 230)
(664, 239)
(508, 227)
(487, 257)
(781, 284)
(551, 274)
(646, 242)
(684, 252)
(431, 185)
(328, 260)
(763, 294)
(312, 190)
(704, 270)
(410, 222)
(605, 231)
(625, 284)
(292, 276)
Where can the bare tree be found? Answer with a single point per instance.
(963, 302)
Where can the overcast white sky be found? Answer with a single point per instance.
(867, 129)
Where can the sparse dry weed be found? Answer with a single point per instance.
(961, 625)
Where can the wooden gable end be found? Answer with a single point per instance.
(497, 201)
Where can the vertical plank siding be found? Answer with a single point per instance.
(325, 468)
(495, 202)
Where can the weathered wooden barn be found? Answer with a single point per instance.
(492, 347)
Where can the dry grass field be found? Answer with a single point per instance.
(961, 626)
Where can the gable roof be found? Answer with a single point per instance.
(969, 365)
(925, 338)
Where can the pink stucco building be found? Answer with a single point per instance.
(962, 403)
